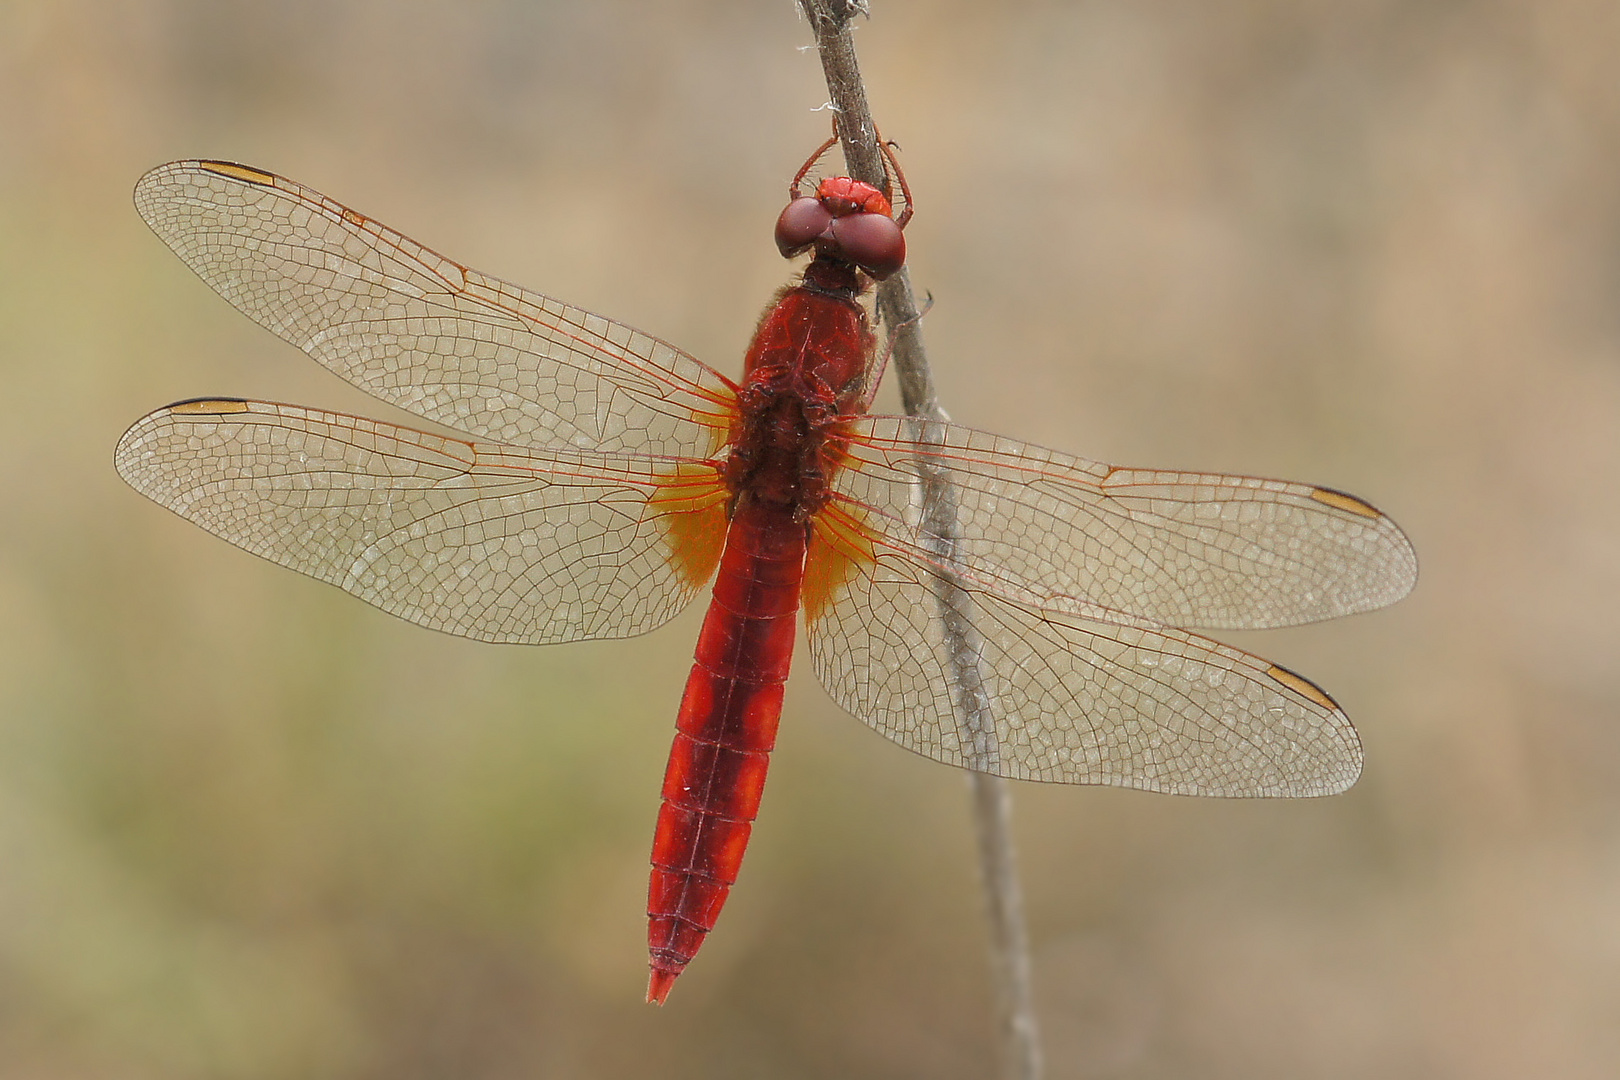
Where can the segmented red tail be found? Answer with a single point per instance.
(724, 736)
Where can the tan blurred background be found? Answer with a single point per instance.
(250, 827)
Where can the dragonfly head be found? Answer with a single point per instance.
(846, 219)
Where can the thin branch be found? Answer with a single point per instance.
(992, 801)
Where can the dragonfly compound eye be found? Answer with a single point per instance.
(801, 222)
(872, 242)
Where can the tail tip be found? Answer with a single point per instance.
(659, 986)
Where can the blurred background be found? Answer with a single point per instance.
(252, 828)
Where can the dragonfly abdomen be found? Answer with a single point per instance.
(724, 734)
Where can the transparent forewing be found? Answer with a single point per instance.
(1182, 549)
(423, 332)
(492, 542)
(1069, 697)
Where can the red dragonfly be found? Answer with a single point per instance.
(602, 477)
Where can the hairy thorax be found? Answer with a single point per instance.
(805, 371)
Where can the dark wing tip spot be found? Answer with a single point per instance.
(209, 406)
(245, 173)
(1302, 686)
(1340, 500)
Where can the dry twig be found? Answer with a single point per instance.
(992, 802)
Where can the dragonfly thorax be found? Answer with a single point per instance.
(778, 458)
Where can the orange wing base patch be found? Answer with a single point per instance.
(840, 546)
(691, 502)
(691, 505)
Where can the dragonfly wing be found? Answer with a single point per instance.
(423, 332)
(1068, 696)
(1177, 548)
(492, 542)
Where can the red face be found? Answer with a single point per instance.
(846, 218)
